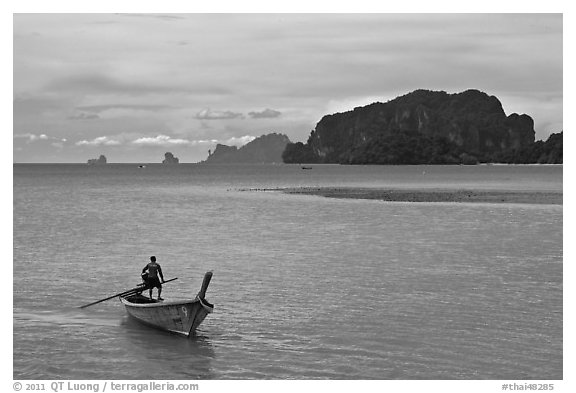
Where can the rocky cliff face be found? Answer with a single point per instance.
(540, 152)
(441, 127)
(265, 149)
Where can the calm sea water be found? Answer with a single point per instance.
(304, 287)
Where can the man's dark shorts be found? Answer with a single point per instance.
(154, 282)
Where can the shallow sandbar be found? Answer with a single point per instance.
(398, 195)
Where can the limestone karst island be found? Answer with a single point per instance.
(97, 161)
(266, 149)
(421, 127)
(170, 159)
(427, 127)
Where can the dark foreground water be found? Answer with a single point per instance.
(304, 287)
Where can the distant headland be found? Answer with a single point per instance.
(266, 149)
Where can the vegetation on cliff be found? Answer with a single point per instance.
(424, 127)
(540, 152)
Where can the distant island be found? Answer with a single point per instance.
(170, 159)
(427, 127)
(421, 127)
(266, 149)
(97, 161)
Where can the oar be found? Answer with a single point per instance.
(128, 292)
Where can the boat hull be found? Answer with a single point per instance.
(180, 317)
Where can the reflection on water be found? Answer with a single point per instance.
(164, 353)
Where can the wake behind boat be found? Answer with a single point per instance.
(178, 316)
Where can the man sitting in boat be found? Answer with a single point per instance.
(153, 281)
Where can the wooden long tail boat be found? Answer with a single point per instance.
(180, 316)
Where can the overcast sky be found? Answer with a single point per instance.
(134, 86)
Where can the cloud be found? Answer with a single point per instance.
(99, 141)
(84, 116)
(306, 65)
(90, 83)
(27, 104)
(43, 139)
(207, 114)
(31, 137)
(165, 140)
(105, 84)
(265, 114)
(160, 140)
(166, 17)
(139, 107)
(238, 141)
